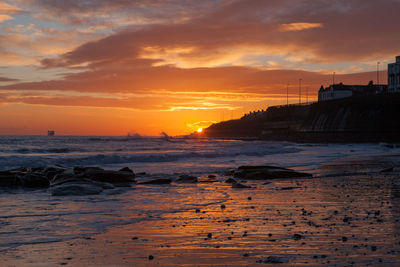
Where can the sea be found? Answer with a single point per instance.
(172, 155)
(35, 217)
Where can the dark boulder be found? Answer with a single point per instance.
(267, 172)
(208, 181)
(18, 170)
(67, 183)
(186, 179)
(65, 178)
(52, 171)
(38, 169)
(239, 185)
(7, 179)
(126, 169)
(81, 170)
(108, 176)
(108, 185)
(76, 189)
(33, 180)
(230, 181)
(158, 181)
(127, 184)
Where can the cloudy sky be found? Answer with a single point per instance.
(112, 67)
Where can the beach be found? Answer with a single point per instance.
(346, 214)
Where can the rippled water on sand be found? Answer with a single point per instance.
(347, 213)
(320, 221)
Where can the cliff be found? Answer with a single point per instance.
(372, 118)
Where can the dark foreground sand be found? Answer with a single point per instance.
(339, 220)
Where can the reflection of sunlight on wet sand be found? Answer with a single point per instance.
(339, 220)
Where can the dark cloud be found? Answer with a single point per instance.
(350, 31)
(5, 79)
(138, 11)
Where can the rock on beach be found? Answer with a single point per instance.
(267, 172)
(67, 181)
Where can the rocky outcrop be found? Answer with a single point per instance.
(266, 173)
(97, 174)
(186, 179)
(32, 180)
(64, 181)
(76, 189)
(158, 181)
(7, 179)
(89, 181)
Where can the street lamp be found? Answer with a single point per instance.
(300, 90)
(333, 78)
(287, 94)
(377, 72)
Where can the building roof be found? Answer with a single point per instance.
(353, 88)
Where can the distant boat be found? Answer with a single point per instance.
(50, 133)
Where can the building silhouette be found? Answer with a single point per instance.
(394, 76)
(340, 90)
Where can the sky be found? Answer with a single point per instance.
(113, 67)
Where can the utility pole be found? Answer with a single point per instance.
(287, 94)
(300, 90)
(333, 78)
(377, 72)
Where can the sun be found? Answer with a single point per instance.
(199, 130)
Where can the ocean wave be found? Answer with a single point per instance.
(46, 150)
(136, 157)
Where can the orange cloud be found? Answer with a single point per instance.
(299, 26)
(9, 9)
(5, 17)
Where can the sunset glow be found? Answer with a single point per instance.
(199, 130)
(99, 67)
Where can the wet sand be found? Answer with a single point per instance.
(331, 220)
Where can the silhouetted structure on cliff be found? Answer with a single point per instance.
(340, 90)
(364, 118)
(394, 76)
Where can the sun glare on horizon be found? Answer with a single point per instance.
(199, 130)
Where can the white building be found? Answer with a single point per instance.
(334, 91)
(394, 76)
(340, 90)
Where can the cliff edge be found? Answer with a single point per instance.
(371, 118)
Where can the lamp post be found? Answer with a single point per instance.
(333, 78)
(377, 72)
(300, 90)
(287, 94)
